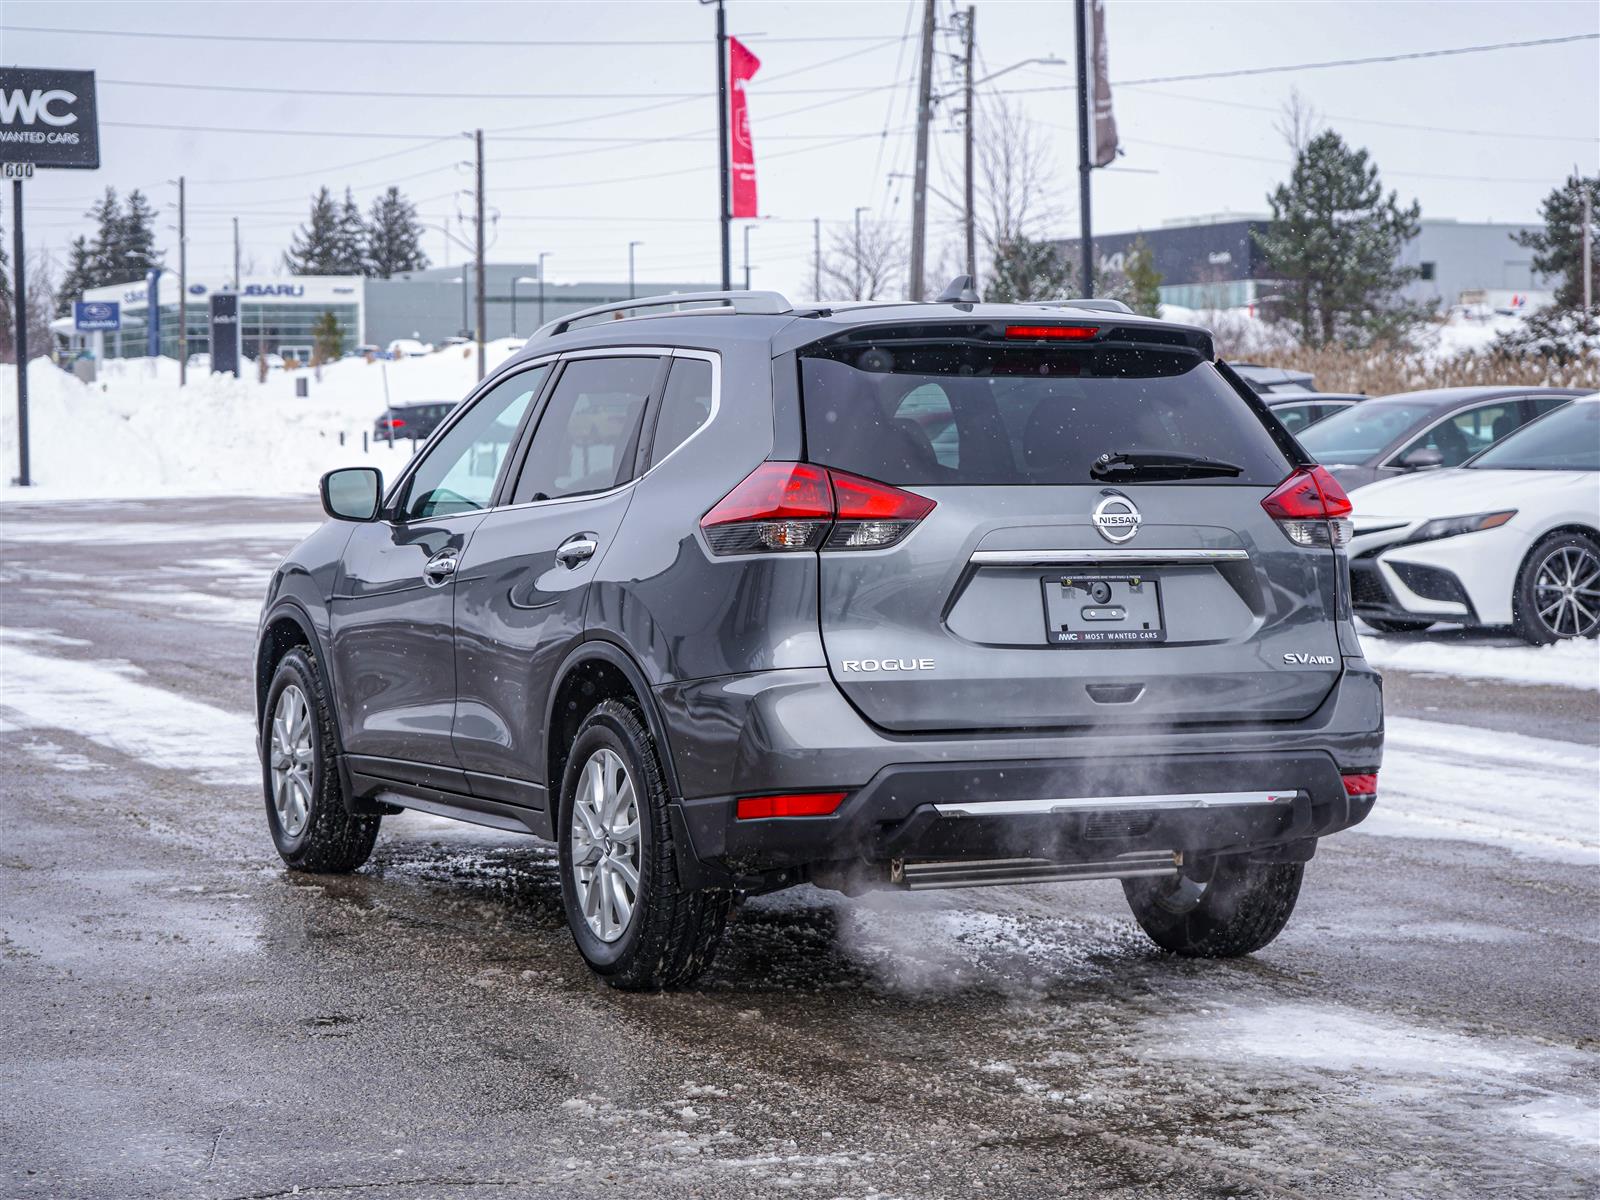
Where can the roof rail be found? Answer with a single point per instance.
(754, 303)
(1092, 303)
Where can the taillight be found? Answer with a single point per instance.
(798, 506)
(1360, 785)
(1060, 333)
(395, 423)
(800, 804)
(1311, 508)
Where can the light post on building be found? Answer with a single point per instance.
(543, 254)
(514, 282)
(631, 245)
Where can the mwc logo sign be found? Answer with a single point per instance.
(48, 118)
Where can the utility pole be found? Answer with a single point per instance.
(747, 256)
(631, 245)
(858, 295)
(816, 258)
(19, 273)
(1086, 227)
(543, 254)
(183, 291)
(972, 243)
(236, 256)
(482, 299)
(722, 145)
(919, 189)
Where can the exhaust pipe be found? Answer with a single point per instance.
(925, 876)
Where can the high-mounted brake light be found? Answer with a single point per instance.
(1360, 785)
(801, 804)
(1311, 508)
(798, 506)
(1062, 333)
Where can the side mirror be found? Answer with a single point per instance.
(1423, 458)
(352, 493)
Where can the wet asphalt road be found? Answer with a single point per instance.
(181, 1017)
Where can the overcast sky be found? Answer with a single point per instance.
(627, 151)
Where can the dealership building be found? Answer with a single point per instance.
(1214, 262)
(277, 314)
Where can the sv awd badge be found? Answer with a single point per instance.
(1297, 659)
(886, 664)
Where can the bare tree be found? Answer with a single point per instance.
(1298, 122)
(1017, 179)
(870, 269)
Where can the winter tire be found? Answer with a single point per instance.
(1558, 590)
(306, 811)
(634, 924)
(1384, 625)
(1238, 910)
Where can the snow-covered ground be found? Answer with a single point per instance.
(135, 433)
(1574, 664)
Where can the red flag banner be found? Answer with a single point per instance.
(742, 163)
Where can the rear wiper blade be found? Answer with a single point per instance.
(1159, 465)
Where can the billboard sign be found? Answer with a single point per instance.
(47, 119)
(225, 333)
(96, 316)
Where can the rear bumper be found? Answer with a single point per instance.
(1089, 796)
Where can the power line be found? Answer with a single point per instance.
(1283, 162)
(428, 43)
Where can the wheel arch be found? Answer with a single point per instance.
(287, 626)
(594, 671)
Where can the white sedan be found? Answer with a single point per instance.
(1511, 537)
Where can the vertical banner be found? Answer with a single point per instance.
(225, 333)
(1105, 124)
(742, 166)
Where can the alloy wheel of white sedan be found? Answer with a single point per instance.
(1566, 591)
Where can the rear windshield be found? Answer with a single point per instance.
(1567, 440)
(944, 413)
(1358, 433)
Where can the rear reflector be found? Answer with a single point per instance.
(1311, 508)
(1360, 785)
(800, 804)
(798, 506)
(1062, 333)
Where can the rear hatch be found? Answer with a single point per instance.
(1047, 589)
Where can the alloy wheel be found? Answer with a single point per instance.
(1566, 591)
(291, 758)
(604, 834)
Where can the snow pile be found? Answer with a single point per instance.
(1574, 663)
(134, 432)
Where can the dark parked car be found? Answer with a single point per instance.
(1418, 431)
(1274, 380)
(1299, 411)
(414, 420)
(901, 595)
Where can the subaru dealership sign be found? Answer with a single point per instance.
(47, 119)
(96, 316)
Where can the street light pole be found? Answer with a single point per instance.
(972, 243)
(631, 245)
(183, 291)
(747, 256)
(483, 361)
(859, 211)
(543, 254)
(1085, 227)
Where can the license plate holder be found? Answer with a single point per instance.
(1099, 609)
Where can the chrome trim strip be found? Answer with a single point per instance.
(1077, 804)
(1046, 558)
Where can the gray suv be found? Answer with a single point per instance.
(731, 595)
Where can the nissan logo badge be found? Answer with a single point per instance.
(1116, 518)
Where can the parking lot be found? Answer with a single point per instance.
(186, 1018)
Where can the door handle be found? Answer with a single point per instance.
(576, 550)
(439, 568)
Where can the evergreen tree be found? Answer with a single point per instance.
(329, 341)
(1144, 281)
(1335, 241)
(136, 245)
(104, 251)
(1025, 269)
(80, 276)
(394, 239)
(1558, 248)
(315, 248)
(350, 239)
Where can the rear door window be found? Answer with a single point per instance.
(1466, 433)
(588, 433)
(955, 412)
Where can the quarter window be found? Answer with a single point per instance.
(589, 431)
(457, 474)
(685, 406)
